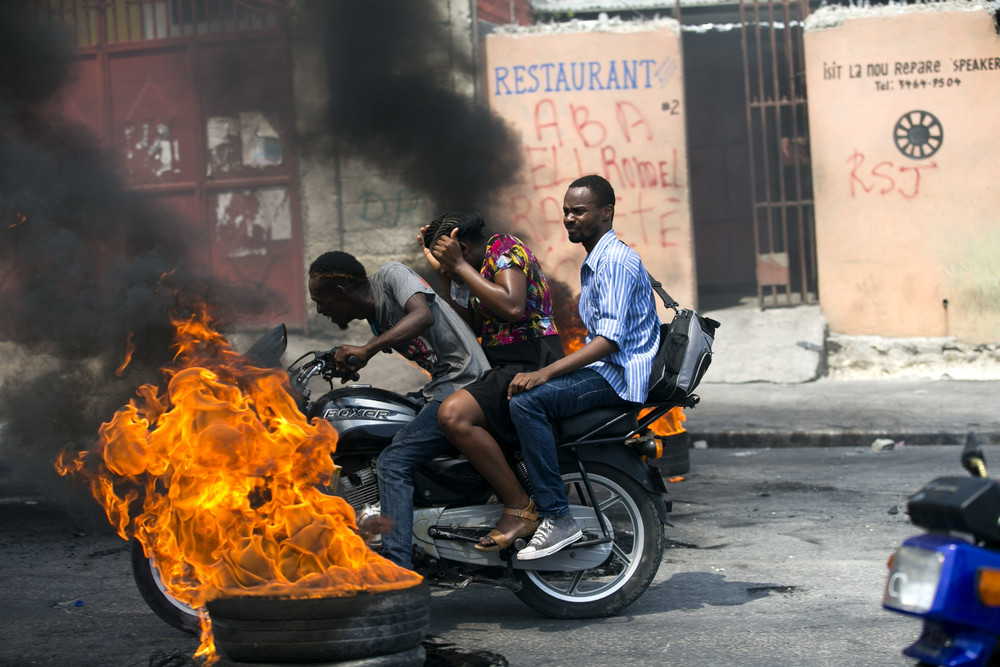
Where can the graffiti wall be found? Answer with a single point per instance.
(598, 98)
(902, 106)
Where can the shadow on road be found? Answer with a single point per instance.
(695, 590)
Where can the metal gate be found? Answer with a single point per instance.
(780, 174)
(194, 99)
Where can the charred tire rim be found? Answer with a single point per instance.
(169, 609)
(366, 625)
(633, 562)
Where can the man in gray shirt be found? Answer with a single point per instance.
(405, 315)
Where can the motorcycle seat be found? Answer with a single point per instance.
(571, 428)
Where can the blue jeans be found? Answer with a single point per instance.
(532, 413)
(416, 443)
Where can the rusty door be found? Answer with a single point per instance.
(781, 179)
(194, 99)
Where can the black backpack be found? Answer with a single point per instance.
(684, 354)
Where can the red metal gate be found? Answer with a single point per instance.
(194, 97)
(781, 178)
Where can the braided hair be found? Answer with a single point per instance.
(337, 268)
(470, 226)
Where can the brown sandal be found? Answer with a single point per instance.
(529, 522)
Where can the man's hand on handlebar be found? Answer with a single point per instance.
(350, 358)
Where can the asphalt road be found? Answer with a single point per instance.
(777, 557)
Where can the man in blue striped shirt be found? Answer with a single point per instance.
(611, 369)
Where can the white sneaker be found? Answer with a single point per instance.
(554, 533)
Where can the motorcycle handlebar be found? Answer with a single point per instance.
(324, 364)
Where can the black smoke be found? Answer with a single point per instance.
(86, 266)
(390, 64)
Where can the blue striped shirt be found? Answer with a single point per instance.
(616, 301)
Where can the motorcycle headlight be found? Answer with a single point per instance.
(913, 580)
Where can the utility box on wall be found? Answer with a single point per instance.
(598, 98)
(902, 107)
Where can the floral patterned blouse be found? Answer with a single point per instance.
(508, 252)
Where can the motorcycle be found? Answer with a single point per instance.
(603, 459)
(950, 576)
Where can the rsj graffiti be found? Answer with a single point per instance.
(885, 177)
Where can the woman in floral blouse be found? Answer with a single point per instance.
(497, 286)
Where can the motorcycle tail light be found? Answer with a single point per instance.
(658, 450)
(913, 580)
(648, 446)
(988, 586)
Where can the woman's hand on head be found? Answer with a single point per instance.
(431, 259)
(448, 251)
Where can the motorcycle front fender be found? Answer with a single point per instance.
(627, 461)
(959, 629)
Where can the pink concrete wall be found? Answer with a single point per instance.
(604, 102)
(902, 112)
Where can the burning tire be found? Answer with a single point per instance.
(169, 609)
(268, 629)
(629, 569)
(363, 626)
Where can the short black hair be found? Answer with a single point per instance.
(598, 186)
(337, 267)
(470, 224)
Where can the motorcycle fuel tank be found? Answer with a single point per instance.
(366, 418)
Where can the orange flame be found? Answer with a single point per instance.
(216, 479)
(19, 219)
(670, 423)
(129, 351)
(572, 337)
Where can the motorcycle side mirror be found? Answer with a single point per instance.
(267, 351)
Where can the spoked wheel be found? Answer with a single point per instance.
(168, 608)
(630, 567)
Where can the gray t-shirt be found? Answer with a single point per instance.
(447, 349)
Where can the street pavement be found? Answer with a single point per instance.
(829, 412)
(777, 556)
(779, 378)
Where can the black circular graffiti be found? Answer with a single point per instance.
(918, 134)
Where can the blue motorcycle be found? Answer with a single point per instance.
(950, 576)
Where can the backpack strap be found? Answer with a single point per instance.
(668, 300)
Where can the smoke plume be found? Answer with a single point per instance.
(389, 63)
(87, 269)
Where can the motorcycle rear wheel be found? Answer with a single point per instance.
(626, 574)
(147, 580)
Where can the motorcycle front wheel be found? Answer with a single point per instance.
(630, 567)
(147, 580)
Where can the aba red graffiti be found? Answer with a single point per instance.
(569, 140)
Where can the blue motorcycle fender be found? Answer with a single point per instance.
(628, 462)
(958, 628)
